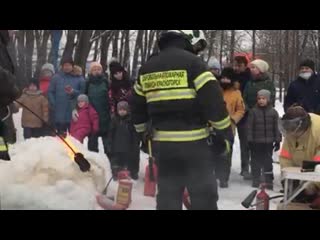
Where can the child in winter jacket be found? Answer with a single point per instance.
(263, 138)
(85, 119)
(120, 89)
(33, 99)
(124, 145)
(236, 109)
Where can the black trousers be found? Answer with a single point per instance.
(128, 160)
(244, 148)
(62, 127)
(93, 143)
(32, 132)
(262, 160)
(185, 164)
(223, 167)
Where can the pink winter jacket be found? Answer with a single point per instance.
(88, 122)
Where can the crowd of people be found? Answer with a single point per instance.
(85, 108)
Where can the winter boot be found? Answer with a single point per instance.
(134, 176)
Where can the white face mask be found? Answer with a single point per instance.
(305, 75)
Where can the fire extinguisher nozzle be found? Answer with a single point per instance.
(83, 163)
(247, 202)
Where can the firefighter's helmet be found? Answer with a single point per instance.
(196, 38)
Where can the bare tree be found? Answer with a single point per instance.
(83, 48)
(70, 44)
(232, 45)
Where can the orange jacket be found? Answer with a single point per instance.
(234, 104)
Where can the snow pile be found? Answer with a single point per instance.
(41, 175)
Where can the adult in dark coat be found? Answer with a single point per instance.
(305, 90)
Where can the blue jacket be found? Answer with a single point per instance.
(305, 93)
(62, 102)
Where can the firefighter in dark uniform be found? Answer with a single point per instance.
(8, 90)
(180, 97)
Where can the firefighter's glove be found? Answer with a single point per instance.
(82, 162)
(218, 144)
(4, 154)
(276, 146)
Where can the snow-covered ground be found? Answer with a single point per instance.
(42, 176)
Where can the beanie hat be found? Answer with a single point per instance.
(264, 93)
(49, 67)
(295, 111)
(94, 64)
(67, 59)
(228, 73)
(262, 65)
(307, 63)
(214, 64)
(123, 105)
(83, 98)
(295, 119)
(115, 67)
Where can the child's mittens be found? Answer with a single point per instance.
(75, 115)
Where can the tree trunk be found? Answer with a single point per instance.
(21, 53)
(42, 45)
(70, 44)
(83, 49)
(126, 58)
(96, 49)
(29, 53)
(232, 45)
(144, 45)
(56, 38)
(136, 53)
(104, 47)
(286, 54)
(151, 42)
(221, 46)
(121, 57)
(280, 66)
(254, 44)
(115, 44)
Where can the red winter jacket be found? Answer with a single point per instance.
(44, 85)
(88, 122)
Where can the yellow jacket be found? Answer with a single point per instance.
(307, 147)
(234, 104)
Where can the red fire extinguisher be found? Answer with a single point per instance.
(262, 199)
(151, 175)
(124, 193)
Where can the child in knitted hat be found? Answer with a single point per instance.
(124, 140)
(263, 138)
(85, 119)
(33, 98)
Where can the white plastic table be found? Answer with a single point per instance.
(294, 173)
